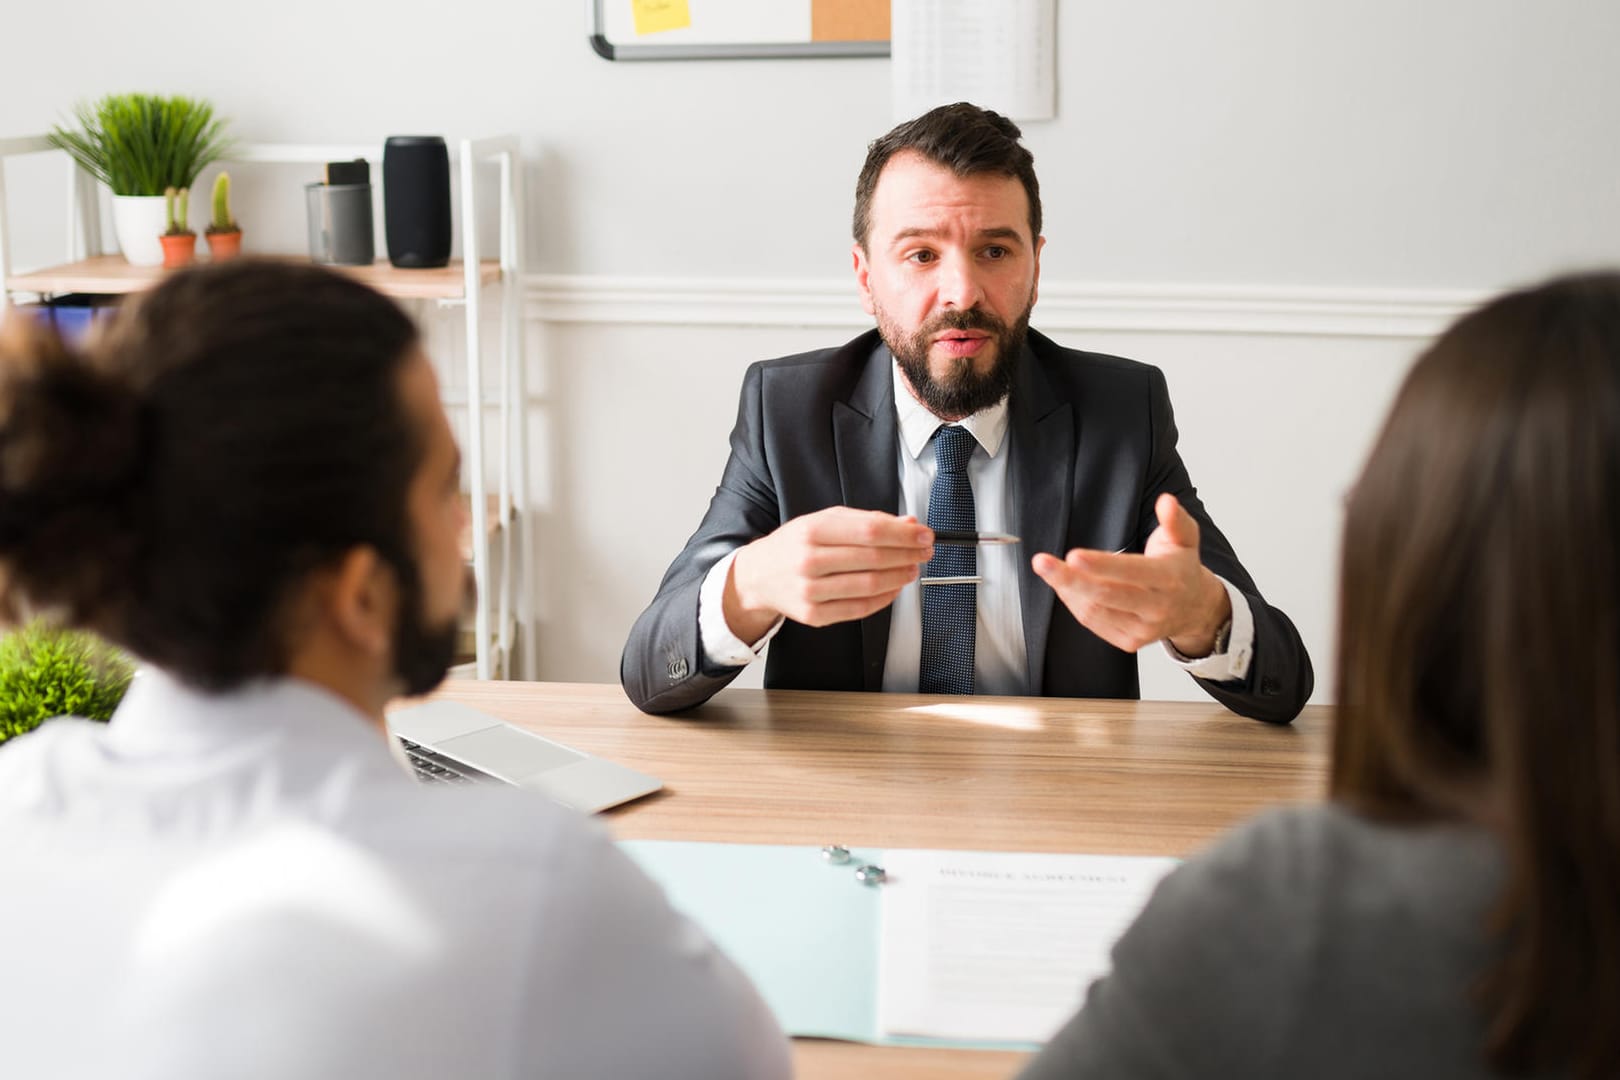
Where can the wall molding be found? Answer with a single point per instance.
(1064, 306)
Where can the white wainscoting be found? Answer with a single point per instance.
(633, 391)
(1313, 312)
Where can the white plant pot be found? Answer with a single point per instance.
(138, 221)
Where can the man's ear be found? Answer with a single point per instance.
(362, 597)
(1035, 290)
(863, 271)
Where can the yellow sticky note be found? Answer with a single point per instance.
(655, 16)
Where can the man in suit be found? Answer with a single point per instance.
(854, 471)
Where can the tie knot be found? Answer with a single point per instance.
(953, 445)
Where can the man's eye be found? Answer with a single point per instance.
(995, 251)
(922, 257)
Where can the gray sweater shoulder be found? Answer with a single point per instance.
(1307, 942)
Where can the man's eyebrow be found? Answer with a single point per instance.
(999, 232)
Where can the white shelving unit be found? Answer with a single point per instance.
(501, 549)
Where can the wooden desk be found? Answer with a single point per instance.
(113, 275)
(897, 770)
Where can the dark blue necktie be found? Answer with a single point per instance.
(948, 618)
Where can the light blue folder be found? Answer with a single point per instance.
(805, 930)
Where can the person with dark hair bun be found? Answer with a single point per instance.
(954, 416)
(1454, 910)
(248, 482)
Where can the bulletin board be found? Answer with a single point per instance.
(737, 29)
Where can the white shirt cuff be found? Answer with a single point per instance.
(722, 648)
(1233, 664)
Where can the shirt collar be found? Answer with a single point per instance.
(917, 425)
(160, 713)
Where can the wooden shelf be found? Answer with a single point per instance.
(449, 285)
(492, 521)
(112, 274)
(464, 664)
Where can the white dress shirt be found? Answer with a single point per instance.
(1000, 664)
(248, 885)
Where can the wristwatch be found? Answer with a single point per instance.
(1223, 637)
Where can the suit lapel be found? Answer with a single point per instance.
(1042, 430)
(865, 435)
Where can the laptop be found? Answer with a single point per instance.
(448, 742)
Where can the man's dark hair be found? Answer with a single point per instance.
(963, 138)
(170, 487)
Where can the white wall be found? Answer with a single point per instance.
(1209, 162)
(1441, 143)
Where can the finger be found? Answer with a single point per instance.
(838, 611)
(1051, 569)
(823, 561)
(1125, 636)
(1124, 571)
(1178, 525)
(843, 525)
(1130, 599)
(1123, 629)
(1073, 572)
(858, 586)
(1128, 611)
(1069, 576)
(1126, 618)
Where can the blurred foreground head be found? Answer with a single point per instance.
(179, 484)
(1479, 643)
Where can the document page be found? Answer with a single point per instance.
(1000, 946)
(997, 54)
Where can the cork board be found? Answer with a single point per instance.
(737, 29)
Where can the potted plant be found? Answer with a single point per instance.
(224, 234)
(179, 242)
(46, 671)
(140, 145)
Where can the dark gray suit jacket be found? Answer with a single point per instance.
(1093, 444)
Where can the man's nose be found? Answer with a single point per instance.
(959, 283)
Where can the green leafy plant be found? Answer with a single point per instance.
(47, 671)
(141, 144)
(222, 222)
(177, 204)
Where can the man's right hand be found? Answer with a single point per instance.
(827, 567)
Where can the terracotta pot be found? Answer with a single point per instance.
(224, 245)
(178, 250)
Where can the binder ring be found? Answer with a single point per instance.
(871, 875)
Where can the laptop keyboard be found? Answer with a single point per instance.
(435, 768)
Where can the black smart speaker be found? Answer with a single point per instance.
(416, 200)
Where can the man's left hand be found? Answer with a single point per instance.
(1131, 601)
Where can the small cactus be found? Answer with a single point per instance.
(222, 221)
(177, 201)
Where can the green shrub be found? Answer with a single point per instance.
(46, 671)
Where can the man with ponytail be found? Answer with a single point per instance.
(248, 482)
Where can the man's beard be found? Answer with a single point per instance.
(963, 390)
(423, 650)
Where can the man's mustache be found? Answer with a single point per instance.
(974, 318)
